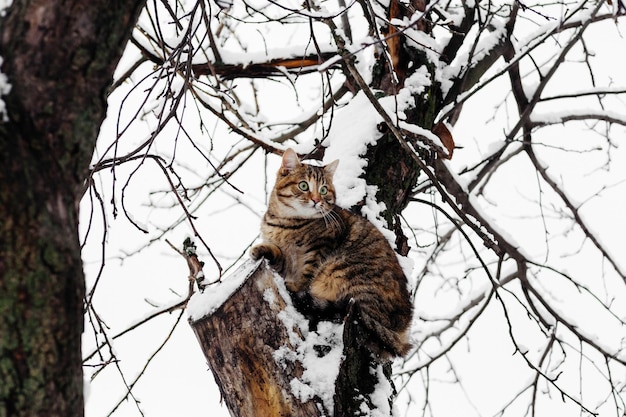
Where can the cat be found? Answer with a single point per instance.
(332, 257)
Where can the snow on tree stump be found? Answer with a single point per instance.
(266, 361)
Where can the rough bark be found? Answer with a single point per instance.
(390, 167)
(59, 57)
(239, 341)
(357, 379)
(395, 174)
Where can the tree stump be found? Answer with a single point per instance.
(267, 362)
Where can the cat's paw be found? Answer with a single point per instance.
(271, 252)
(256, 252)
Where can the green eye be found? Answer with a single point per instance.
(303, 185)
(323, 190)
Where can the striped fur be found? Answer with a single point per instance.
(332, 256)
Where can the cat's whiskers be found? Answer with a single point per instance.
(331, 218)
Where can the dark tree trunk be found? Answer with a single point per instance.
(389, 167)
(358, 378)
(59, 57)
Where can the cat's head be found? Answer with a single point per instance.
(303, 190)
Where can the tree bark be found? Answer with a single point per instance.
(240, 341)
(358, 376)
(59, 57)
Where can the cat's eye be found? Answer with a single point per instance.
(323, 190)
(303, 185)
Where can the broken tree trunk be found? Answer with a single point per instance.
(265, 360)
(239, 340)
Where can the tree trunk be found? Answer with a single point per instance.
(239, 341)
(59, 57)
(256, 347)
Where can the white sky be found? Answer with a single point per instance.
(177, 381)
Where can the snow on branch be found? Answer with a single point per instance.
(564, 116)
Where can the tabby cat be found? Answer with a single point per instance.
(333, 257)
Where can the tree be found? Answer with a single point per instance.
(59, 58)
(502, 234)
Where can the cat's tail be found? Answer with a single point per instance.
(389, 339)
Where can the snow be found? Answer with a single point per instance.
(269, 296)
(319, 370)
(4, 5)
(557, 117)
(379, 399)
(422, 41)
(347, 141)
(417, 82)
(471, 52)
(353, 129)
(329, 63)
(244, 58)
(201, 304)
(5, 87)
(380, 396)
(430, 136)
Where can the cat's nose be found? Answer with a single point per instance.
(316, 199)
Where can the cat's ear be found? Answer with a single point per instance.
(290, 162)
(330, 168)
